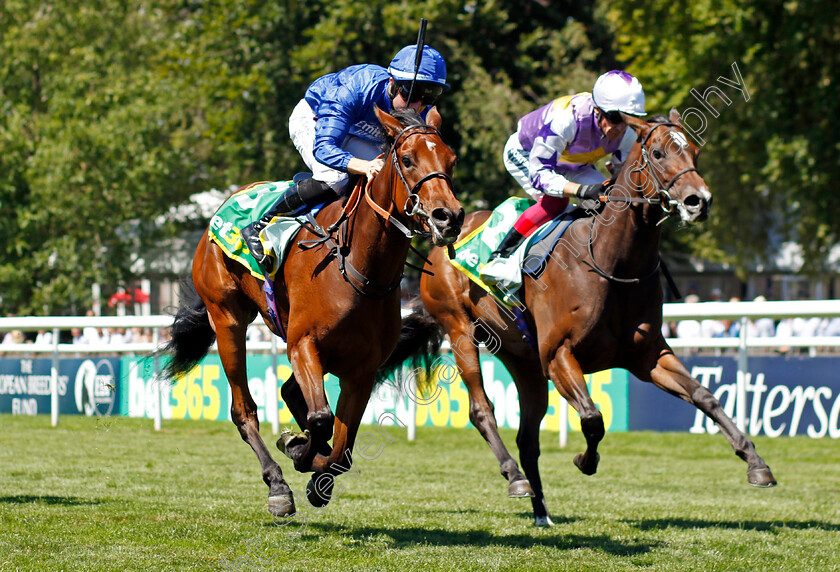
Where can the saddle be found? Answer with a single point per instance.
(244, 207)
(474, 250)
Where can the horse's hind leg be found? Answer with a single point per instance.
(667, 372)
(481, 410)
(564, 370)
(533, 403)
(230, 335)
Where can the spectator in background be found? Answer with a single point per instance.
(256, 333)
(713, 328)
(117, 336)
(763, 327)
(831, 327)
(689, 328)
(44, 338)
(90, 334)
(140, 335)
(14, 337)
(733, 327)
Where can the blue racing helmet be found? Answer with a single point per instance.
(432, 67)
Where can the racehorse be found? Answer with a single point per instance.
(595, 305)
(338, 300)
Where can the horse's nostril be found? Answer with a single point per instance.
(693, 201)
(446, 217)
(441, 215)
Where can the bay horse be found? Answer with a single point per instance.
(338, 300)
(595, 306)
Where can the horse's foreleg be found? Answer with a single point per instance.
(564, 370)
(309, 373)
(668, 373)
(230, 335)
(293, 397)
(481, 412)
(352, 401)
(533, 404)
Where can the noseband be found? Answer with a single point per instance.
(413, 207)
(664, 192)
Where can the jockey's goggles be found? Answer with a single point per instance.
(427, 93)
(613, 117)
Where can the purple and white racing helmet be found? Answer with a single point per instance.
(619, 91)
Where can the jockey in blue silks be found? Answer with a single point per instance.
(336, 132)
(552, 156)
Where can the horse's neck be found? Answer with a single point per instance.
(378, 249)
(628, 236)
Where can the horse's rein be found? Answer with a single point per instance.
(416, 208)
(341, 248)
(666, 201)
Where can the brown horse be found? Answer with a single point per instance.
(596, 305)
(338, 301)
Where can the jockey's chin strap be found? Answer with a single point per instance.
(411, 209)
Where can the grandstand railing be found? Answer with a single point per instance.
(743, 311)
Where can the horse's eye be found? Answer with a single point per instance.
(657, 154)
(406, 161)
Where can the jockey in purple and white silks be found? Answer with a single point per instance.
(552, 156)
(336, 132)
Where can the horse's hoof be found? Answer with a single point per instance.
(288, 439)
(281, 505)
(520, 489)
(319, 493)
(586, 470)
(761, 478)
(543, 521)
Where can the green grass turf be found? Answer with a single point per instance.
(111, 494)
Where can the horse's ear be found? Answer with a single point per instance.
(433, 118)
(640, 126)
(391, 126)
(675, 117)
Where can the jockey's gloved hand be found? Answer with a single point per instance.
(591, 192)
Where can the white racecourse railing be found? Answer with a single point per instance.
(743, 311)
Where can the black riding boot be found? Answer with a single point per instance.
(296, 199)
(509, 244)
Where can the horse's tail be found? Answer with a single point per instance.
(420, 340)
(191, 336)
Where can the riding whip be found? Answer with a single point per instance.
(418, 57)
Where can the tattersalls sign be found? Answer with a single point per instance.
(797, 395)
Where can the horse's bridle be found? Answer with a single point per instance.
(416, 208)
(662, 193)
(662, 197)
(340, 248)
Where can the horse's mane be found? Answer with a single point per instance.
(658, 118)
(408, 118)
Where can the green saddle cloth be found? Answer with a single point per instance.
(243, 208)
(475, 249)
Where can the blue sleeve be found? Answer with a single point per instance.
(344, 100)
(336, 113)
